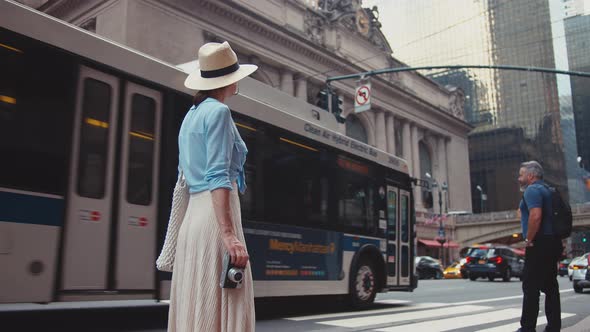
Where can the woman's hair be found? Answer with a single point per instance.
(204, 94)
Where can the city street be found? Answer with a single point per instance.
(437, 305)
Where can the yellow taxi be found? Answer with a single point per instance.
(453, 271)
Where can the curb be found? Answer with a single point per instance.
(582, 326)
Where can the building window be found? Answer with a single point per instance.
(355, 129)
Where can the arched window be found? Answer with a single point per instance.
(262, 76)
(355, 129)
(425, 167)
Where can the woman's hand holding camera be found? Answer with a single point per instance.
(236, 249)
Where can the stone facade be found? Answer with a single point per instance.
(297, 44)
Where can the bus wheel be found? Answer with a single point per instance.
(364, 286)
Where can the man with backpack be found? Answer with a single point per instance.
(544, 221)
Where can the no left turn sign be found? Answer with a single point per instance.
(362, 98)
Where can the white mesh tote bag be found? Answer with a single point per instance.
(180, 198)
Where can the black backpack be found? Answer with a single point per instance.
(562, 213)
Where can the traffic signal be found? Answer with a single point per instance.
(584, 239)
(337, 107)
(322, 98)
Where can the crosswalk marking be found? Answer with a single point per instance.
(457, 322)
(504, 298)
(404, 316)
(392, 302)
(514, 326)
(369, 312)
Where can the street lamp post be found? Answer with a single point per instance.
(445, 188)
(441, 231)
(480, 198)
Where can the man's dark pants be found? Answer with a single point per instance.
(540, 274)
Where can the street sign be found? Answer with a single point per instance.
(362, 97)
(484, 197)
(441, 233)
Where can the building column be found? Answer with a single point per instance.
(437, 158)
(416, 165)
(391, 135)
(444, 150)
(380, 131)
(301, 87)
(286, 81)
(407, 145)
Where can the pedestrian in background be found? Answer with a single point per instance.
(543, 250)
(212, 156)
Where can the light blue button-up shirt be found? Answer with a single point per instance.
(211, 151)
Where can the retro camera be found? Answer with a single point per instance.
(231, 276)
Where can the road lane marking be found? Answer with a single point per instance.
(457, 322)
(515, 326)
(404, 316)
(368, 312)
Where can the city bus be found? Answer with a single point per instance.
(89, 150)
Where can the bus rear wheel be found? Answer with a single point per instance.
(364, 284)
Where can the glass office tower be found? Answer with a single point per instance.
(577, 33)
(517, 115)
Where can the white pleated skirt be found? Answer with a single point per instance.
(197, 303)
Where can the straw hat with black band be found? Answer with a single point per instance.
(217, 67)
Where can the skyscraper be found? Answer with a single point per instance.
(518, 115)
(577, 33)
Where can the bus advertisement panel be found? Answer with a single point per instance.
(293, 253)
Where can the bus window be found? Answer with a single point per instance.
(35, 115)
(140, 163)
(295, 187)
(404, 218)
(94, 136)
(355, 196)
(391, 214)
(250, 201)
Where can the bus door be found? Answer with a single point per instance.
(398, 237)
(392, 236)
(405, 239)
(138, 189)
(110, 231)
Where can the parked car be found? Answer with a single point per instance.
(453, 271)
(581, 274)
(562, 268)
(570, 267)
(428, 267)
(494, 262)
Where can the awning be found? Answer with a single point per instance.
(434, 243)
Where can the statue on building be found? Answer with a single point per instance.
(336, 9)
(314, 28)
(456, 102)
(351, 15)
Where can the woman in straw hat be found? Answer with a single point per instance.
(212, 156)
